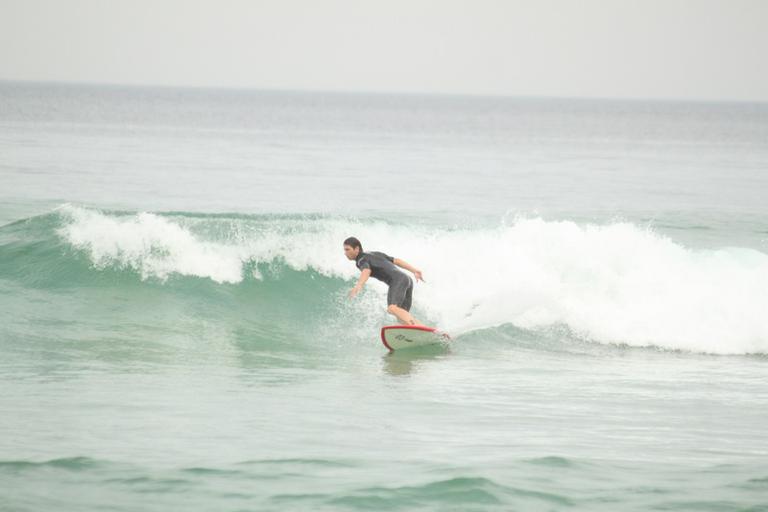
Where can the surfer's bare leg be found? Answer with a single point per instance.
(403, 316)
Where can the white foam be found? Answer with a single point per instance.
(616, 283)
(150, 244)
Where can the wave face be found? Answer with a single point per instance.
(614, 284)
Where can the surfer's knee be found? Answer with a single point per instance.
(392, 308)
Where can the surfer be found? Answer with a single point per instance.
(384, 268)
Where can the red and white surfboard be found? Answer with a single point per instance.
(398, 337)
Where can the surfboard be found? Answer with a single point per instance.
(399, 337)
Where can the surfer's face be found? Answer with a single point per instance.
(351, 252)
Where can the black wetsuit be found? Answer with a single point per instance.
(383, 268)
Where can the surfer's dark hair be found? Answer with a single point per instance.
(353, 242)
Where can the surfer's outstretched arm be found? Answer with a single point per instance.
(364, 275)
(407, 266)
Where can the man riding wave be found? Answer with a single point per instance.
(384, 268)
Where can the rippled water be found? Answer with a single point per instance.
(175, 332)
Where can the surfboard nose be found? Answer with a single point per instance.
(398, 337)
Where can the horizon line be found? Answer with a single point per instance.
(372, 92)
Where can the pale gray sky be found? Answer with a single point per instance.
(686, 49)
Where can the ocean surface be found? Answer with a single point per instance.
(175, 331)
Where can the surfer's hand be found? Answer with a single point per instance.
(417, 273)
(354, 291)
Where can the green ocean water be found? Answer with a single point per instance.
(175, 331)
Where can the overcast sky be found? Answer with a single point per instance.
(677, 49)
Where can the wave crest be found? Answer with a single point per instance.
(615, 283)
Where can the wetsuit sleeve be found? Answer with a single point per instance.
(390, 258)
(363, 263)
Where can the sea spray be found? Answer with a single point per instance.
(613, 283)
